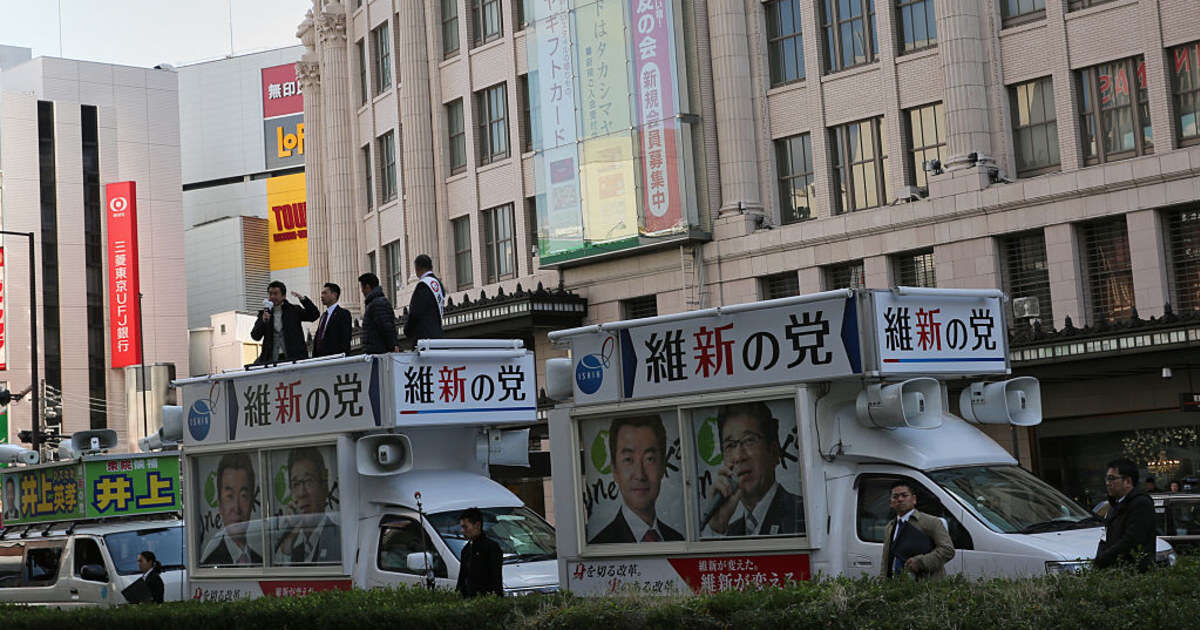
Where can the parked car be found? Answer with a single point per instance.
(1178, 518)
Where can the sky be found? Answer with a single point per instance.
(150, 32)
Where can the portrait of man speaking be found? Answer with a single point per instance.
(638, 451)
(754, 503)
(313, 536)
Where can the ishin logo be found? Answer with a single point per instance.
(599, 453)
(199, 419)
(589, 372)
(708, 443)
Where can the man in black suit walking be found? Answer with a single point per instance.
(637, 447)
(755, 504)
(278, 326)
(333, 330)
(425, 306)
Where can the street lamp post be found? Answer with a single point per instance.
(36, 440)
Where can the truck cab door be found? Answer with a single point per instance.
(84, 586)
(872, 512)
(398, 545)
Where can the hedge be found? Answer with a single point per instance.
(1167, 598)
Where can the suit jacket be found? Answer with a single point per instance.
(481, 571)
(336, 338)
(618, 531)
(932, 564)
(155, 584)
(1129, 533)
(329, 542)
(786, 512)
(222, 556)
(424, 319)
(293, 334)
(379, 324)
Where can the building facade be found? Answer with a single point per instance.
(1045, 147)
(67, 128)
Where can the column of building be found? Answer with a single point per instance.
(734, 107)
(963, 52)
(308, 71)
(337, 138)
(416, 133)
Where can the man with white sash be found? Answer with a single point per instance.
(427, 303)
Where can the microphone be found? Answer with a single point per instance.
(268, 304)
(715, 502)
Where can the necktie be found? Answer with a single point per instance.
(651, 535)
(300, 553)
(321, 326)
(751, 524)
(897, 561)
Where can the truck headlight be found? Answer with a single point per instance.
(1070, 567)
(1166, 558)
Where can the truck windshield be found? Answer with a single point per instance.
(1011, 500)
(165, 542)
(522, 534)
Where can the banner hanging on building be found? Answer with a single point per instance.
(283, 117)
(287, 218)
(123, 286)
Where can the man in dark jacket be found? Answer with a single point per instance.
(1129, 536)
(278, 326)
(379, 320)
(425, 307)
(333, 330)
(480, 571)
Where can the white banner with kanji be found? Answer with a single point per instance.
(458, 388)
(939, 334)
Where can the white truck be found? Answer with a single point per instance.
(758, 444)
(353, 471)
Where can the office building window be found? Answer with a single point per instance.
(785, 44)
(500, 246)
(48, 197)
(639, 307)
(1019, 11)
(371, 263)
(794, 166)
(1027, 277)
(361, 53)
(386, 150)
(847, 275)
(1185, 85)
(369, 193)
(487, 23)
(464, 270)
(779, 285)
(458, 136)
(526, 128)
(381, 58)
(449, 28)
(1114, 111)
(94, 266)
(491, 104)
(914, 269)
(1035, 127)
(926, 139)
(850, 38)
(1183, 244)
(1075, 5)
(531, 228)
(860, 164)
(918, 24)
(519, 19)
(395, 268)
(1109, 270)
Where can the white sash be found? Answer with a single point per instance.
(435, 285)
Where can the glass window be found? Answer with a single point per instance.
(918, 24)
(87, 551)
(458, 136)
(1009, 499)
(165, 542)
(1075, 5)
(1183, 517)
(638, 307)
(463, 264)
(487, 23)
(381, 57)
(395, 267)
(875, 511)
(526, 124)
(41, 565)
(914, 269)
(492, 107)
(630, 455)
(363, 91)
(794, 164)
(522, 534)
(230, 510)
(785, 43)
(747, 470)
(400, 537)
(1183, 243)
(860, 164)
(1113, 123)
(500, 246)
(1027, 277)
(386, 150)
(1035, 126)
(1018, 11)
(369, 193)
(850, 38)
(926, 139)
(12, 564)
(1185, 85)
(304, 528)
(1109, 269)
(779, 285)
(848, 275)
(449, 28)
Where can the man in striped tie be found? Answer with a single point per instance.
(333, 330)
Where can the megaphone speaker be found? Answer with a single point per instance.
(383, 454)
(94, 440)
(1017, 401)
(915, 404)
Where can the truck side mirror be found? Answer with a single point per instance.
(419, 561)
(93, 573)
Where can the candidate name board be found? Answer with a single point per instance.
(97, 488)
(684, 576)
(449, 388)
(286, 402)
(124, 319)
(938, 334)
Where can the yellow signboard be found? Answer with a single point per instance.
(288, 221)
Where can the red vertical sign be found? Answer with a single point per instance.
(654, 62)
(123, 286)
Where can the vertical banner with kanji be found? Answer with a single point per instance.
(653, 30)
(123, 287)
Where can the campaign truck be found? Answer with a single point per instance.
(72, 530)
(757, 444)
(348, 472)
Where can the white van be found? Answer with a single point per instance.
(758, 443)
(352, 472)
